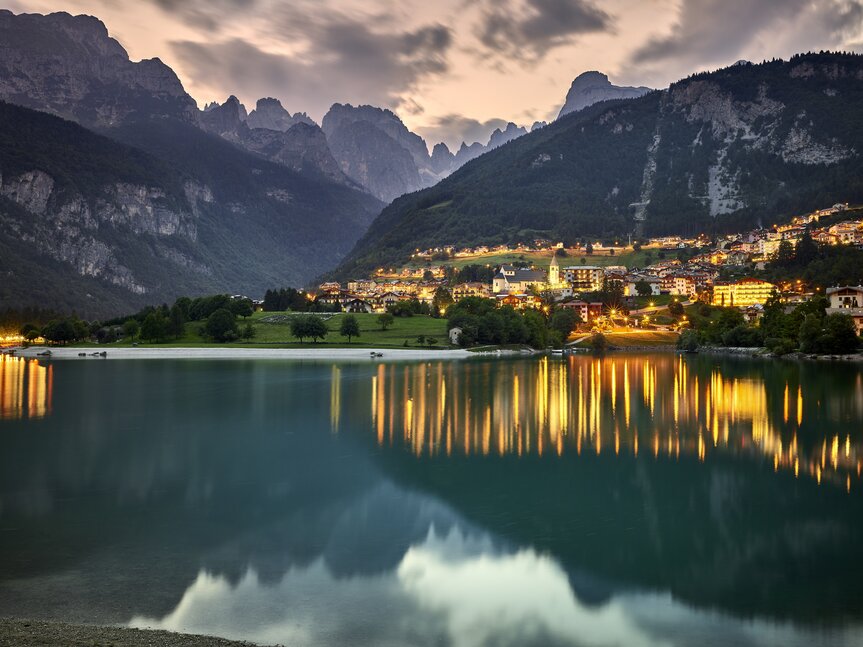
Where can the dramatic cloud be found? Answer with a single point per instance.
(527, 30)
(435, 62)
(337, 59)
(718, 31)
(209, 15)
(454, 129)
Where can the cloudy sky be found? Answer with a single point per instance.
(453, 69)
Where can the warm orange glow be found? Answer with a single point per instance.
(26, 388)
(550, 407)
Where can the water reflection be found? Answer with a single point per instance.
(635, 499)
(661, 404)
(26, 388)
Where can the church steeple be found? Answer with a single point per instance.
(554, 272)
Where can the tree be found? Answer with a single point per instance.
(385, 320)
(155, 327)
(589, 249)
(599, 343)
(221, 326)
(688, 341)
(428, 276)
(300, 327)
(643, 288)
(176, 322)
(810, 331)
(242, 307)
(564, 320)
(317, 328)
(675, 309)
(441, 301)
(131, 328)
(432, 341)
(636, 246)
(806, 250)
(248, 331)
(583, 260)
(350, 327)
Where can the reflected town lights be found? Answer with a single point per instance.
(26, 388)
(599, 405)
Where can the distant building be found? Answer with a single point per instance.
(846, 296)
(514, 280)
(847, 300)
(584, 278)
(587, 311)
(742, 293)
(476, 289)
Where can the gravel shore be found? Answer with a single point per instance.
(32, 633)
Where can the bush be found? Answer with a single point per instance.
(743, 336)
(598, 343)
(688, 341)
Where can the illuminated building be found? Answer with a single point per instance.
(742, 293)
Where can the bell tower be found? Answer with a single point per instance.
(554, 272)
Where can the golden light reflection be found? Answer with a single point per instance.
(555, 407)
(26, 388)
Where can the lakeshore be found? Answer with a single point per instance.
(215, 352)
(32, 633)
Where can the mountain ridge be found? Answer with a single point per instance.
(714, 152)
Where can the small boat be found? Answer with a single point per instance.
(103, 354)
(44, 353)
(82, 354)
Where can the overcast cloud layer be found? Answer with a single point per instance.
(455, 69)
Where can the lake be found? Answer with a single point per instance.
(626, 500)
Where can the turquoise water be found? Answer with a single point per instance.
(630, 500)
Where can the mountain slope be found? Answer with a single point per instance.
(714, 152)
(98, 226)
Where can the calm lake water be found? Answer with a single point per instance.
(630, 500)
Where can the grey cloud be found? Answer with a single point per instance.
(205, 14)
(525, 30)
(719, 31)
(454, 129)
(340, 59)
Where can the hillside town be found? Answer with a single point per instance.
(686, 270)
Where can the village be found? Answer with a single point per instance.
(681, 270)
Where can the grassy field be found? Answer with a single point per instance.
(278, 335)
(629, 258)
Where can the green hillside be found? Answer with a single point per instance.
(715, 152)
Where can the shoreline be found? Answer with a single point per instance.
(38, 633)
(215, 352)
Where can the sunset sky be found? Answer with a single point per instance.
(453, 69)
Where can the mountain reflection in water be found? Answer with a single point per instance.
(632, 500)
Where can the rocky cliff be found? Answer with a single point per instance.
(592, 87)
(271, 115)
(301, 146)
(92, 225)
(70, 66)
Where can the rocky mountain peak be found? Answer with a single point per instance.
(592, 87)
(226, 120)
(270, 114)
(70, 66)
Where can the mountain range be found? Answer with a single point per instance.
(719, 151)
(116, 190)
(120, 198)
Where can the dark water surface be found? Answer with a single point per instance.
(630, 500)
